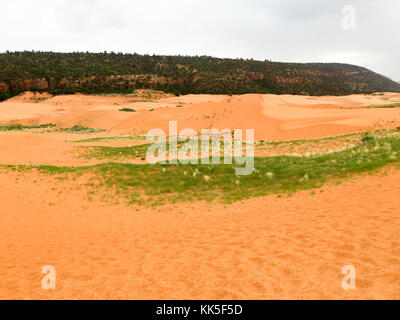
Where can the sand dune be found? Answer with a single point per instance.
(264, 248)
(272, 247)
(273, 117)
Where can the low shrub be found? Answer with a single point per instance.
(127, 110)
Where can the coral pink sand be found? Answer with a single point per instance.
(289, 247)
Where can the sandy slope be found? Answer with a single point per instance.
(273, 117)
(261, 248)
(257, 249)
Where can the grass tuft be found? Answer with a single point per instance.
(368, 137)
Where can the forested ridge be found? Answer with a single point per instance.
(84, 72)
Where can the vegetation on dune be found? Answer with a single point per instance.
(139, 150)
(107, 73)
(18, 127)
(115, 153)
(50, 126)
(127, 110)
(80, 129)
(114, 138)
(368, 137)
(377, 106)
(129, 152)
(158, 184)
(316, 140)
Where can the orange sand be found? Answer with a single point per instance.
(273, 117)
(280, 248)
(262, 248)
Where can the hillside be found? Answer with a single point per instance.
(59, 73)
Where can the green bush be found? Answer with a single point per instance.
(127, 110)
(368, 137)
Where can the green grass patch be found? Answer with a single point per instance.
(114, 153)
(127, 152)
(79, 129)
(74, 129)
(159, 184)
(330, 138)
(20, 127)
(368, 137)
(115, 138)
(377, 106)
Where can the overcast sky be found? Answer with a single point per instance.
(279, 30)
